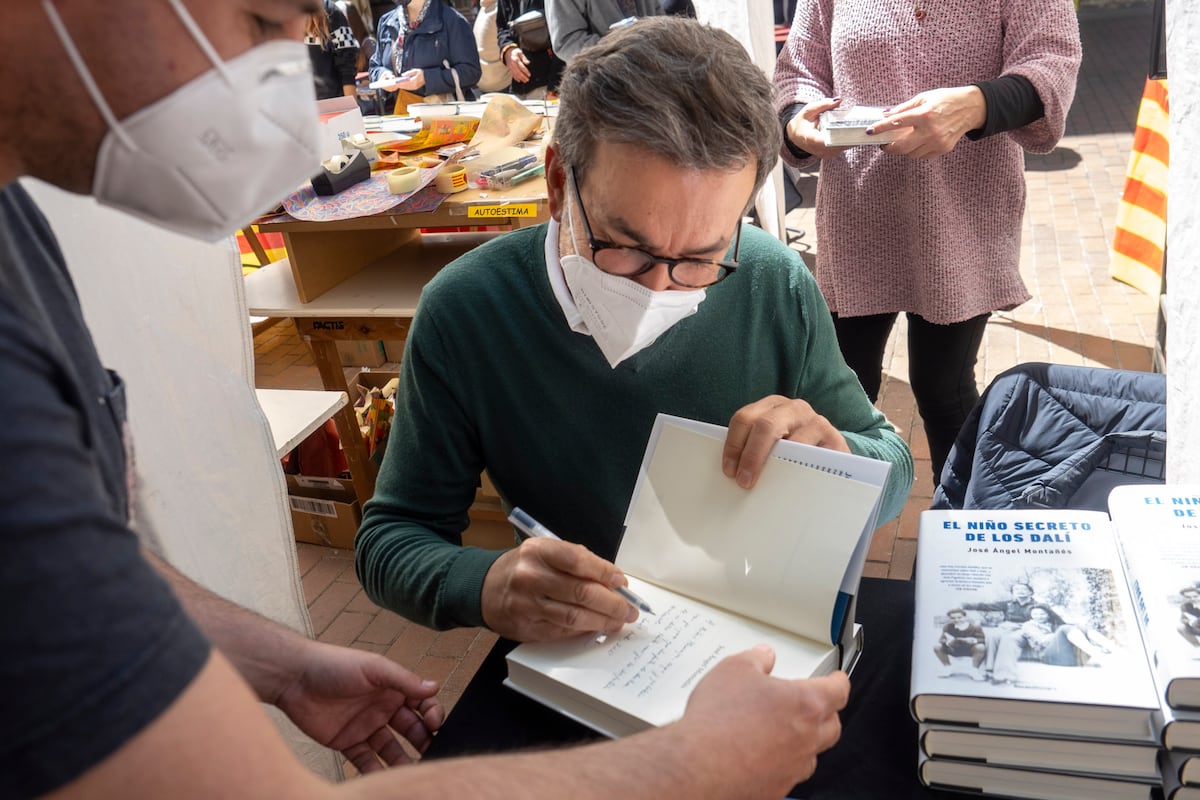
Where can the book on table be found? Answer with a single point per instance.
(1178, 729)
(1174, 790)
(724, 569)
(1159, 531)
(1061, 651)
(847, 125)
(987, 779)
(1130, 761)
(1180, 769)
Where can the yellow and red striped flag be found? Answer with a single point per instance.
(1141, 226)
(272, 245)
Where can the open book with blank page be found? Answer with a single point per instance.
(724, 569)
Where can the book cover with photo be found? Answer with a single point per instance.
(1158, 528)
(1024, 622)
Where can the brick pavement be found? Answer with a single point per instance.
(1078, 315)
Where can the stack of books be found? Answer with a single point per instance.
(1180, 757)
(1159, 533)
(1029, 675)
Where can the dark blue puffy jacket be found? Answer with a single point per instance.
(1054, 436)
(444, 35)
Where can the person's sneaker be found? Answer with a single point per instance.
(945, 672)
(978, 674)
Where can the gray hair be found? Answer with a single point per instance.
(686, 91)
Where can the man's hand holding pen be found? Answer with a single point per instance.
(550, 589)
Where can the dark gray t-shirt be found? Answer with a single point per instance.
(93, 644)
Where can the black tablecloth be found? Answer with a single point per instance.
(877, 754)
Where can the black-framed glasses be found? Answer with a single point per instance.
(629, 262)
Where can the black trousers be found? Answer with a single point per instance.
(941, 370)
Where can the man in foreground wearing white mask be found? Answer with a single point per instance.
(112, 684)
(543, 356)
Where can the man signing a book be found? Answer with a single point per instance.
(122, 678)
(544, 355)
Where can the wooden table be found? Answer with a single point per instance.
(323, 254)
(360, 279)
(375, 302)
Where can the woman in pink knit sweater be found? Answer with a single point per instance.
(929, 224)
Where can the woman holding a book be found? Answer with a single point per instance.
(928, 224)
(426, 51)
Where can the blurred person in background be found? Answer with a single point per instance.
(576, 24)
(333, 49)
(535, 71)
(427, 49)
(495, 77)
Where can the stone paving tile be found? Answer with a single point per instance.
(345, 628)
(411, 645)
(323, 573)
(348, 575)
(385, 628)
(474, 655)
(436, 668)
(362, 603)
(875, 569)
(453, 641)
(904, 556)
(909, 517)
(331, 602)
(307, 556)
(881, 543)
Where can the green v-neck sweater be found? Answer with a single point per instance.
(494, 378)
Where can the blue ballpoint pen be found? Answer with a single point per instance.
(537, 530)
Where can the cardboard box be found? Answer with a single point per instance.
(393, 349)
(324, 510)
(371, 379)
(356, 353)
(340, 119)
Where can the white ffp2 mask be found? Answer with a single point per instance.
(623, 316)
(219, 150)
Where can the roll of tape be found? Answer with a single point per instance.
(452, 178)
(403, 180)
